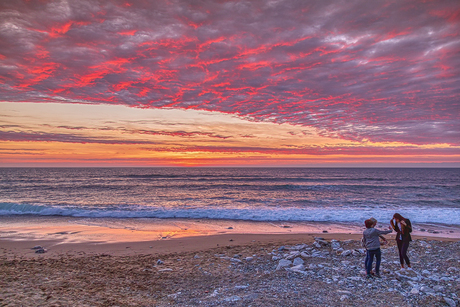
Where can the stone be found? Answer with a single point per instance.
(304, 255)
(293, 255)
(322, 242)
(450, 302)
(414, 291)
(283, 263)
(160, 262)
(346, 253)
(317, 245)
(344, 297)
(426, 289)
(298, 261)
(299, 267)
(233, 298)
(249, 258)
(438, 288)
(335, 244)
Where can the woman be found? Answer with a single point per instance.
(403, 228)
(372, 243)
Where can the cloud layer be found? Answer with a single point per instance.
(357, 70)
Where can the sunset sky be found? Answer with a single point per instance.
(230, 83)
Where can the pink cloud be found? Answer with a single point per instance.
(357, 70)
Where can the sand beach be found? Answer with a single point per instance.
(216, 263)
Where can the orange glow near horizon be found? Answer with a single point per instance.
(102, 135)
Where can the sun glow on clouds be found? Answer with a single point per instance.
(63, 135)
(263, 82)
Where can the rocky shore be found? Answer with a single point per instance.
(320, 273)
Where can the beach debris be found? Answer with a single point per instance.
(40, 251)
(37, 247)
(165, 270)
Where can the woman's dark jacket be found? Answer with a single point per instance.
(404, 231)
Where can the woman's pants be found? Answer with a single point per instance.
(403, 245)
(378, 256)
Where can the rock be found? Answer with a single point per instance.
(344, 297)
(37, 247)
(426, 272)
(249, 258)
(335, 244)
(235, 260)
(293, 255)
(283, 263)
(233, 298)
(196, 256)
(452, 270)
(414, 291)
(346, 253)
(282, 248)
(275, 258)
(304, 255)
(438, 288)
(355, 253)
(298, 261)
(450, 302)
(160, 262)
(317, 245)
(426, 289)
(230, 227)
(40, 251)
(299, 267)
(322, 242)
(316, 254)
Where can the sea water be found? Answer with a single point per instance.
(430, 195)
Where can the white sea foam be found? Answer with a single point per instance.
(260, 213)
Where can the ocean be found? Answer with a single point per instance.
(346, 195)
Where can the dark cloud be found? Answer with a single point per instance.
(377, 70)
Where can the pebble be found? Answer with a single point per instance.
(298, 261)
(283, 263)
(450, 302)
(346, 253)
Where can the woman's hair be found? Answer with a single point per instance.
(398, 216)
(369, 223)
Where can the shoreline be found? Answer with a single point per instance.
(82, 236)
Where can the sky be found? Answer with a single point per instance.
(230, 83)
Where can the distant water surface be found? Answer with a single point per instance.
(259, 194)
